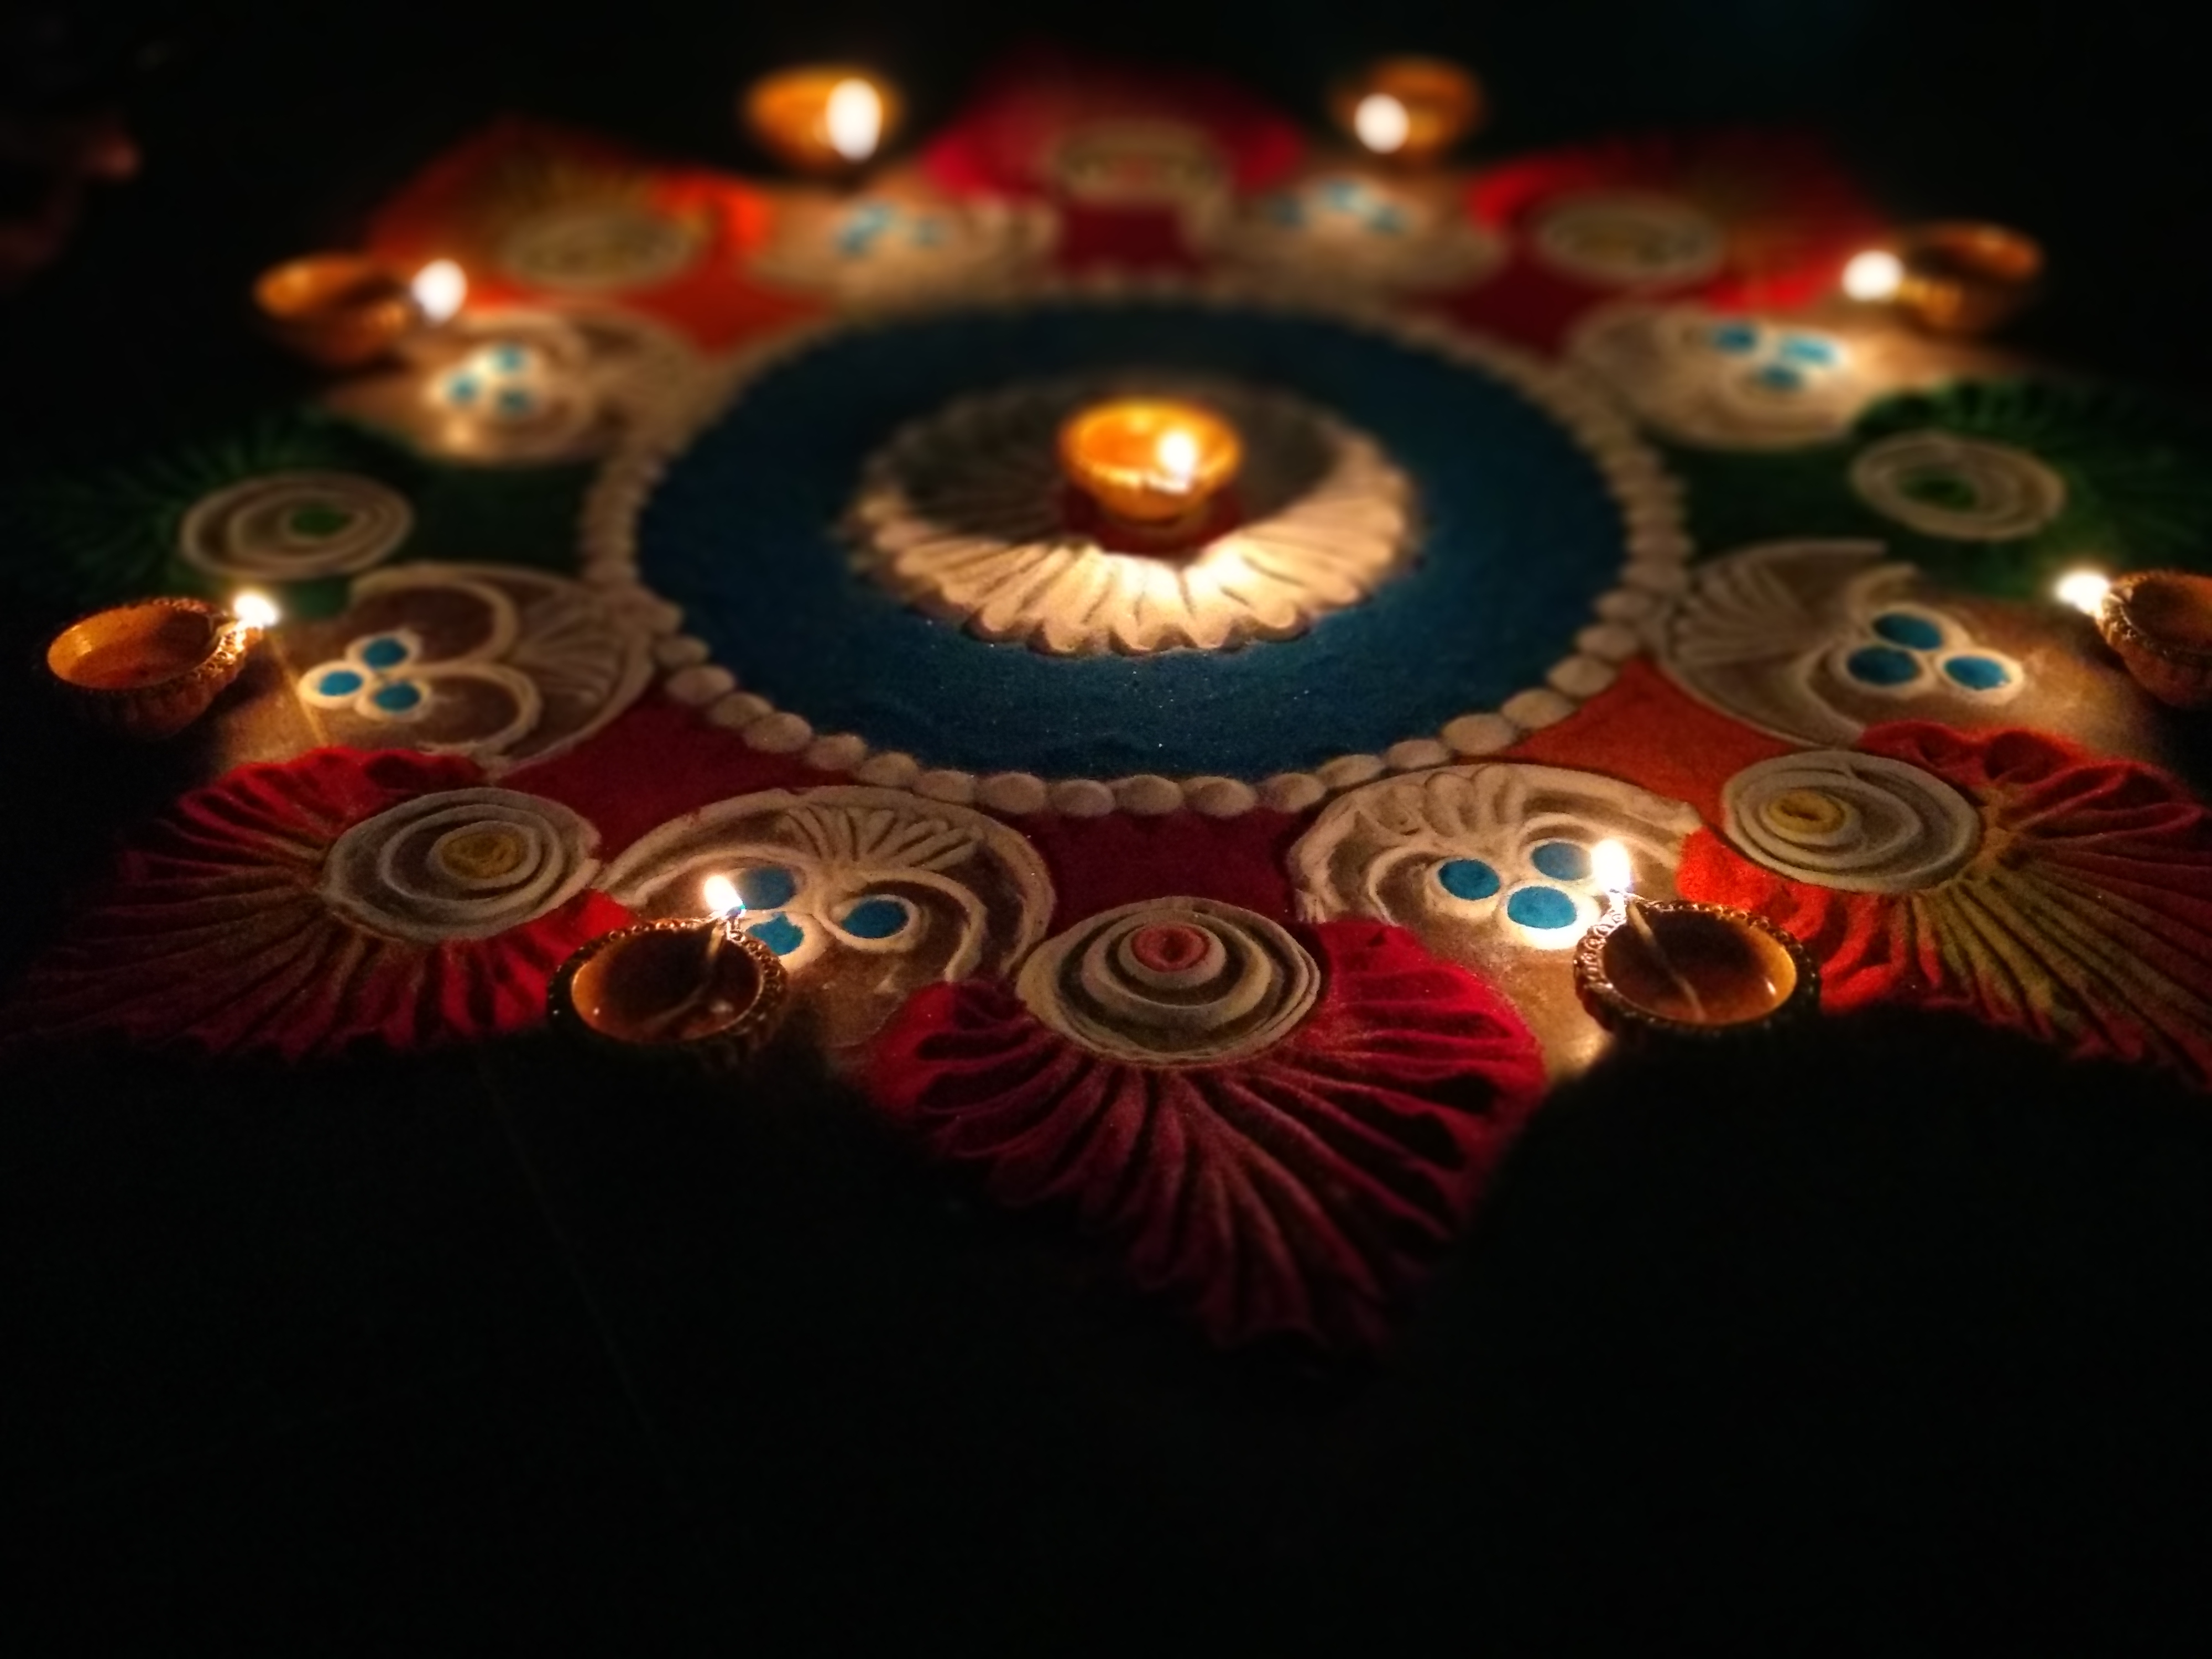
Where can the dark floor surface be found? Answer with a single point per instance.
(1897, 1343)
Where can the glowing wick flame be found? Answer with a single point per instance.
(1382, 123)
(255, 610)
(1873, 275)
(854, 119)
(1610, 868)
(440, 288)
(722, 897)
(2084, 590)
(1177, 456)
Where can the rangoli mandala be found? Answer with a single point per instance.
(1214, 888)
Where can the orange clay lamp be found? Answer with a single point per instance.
(1682, 970)
(346, 310)
(149, 668)
(1156, 468)
(1408, 110)
(822, 117)
(1954, 278)
(702, 992)
(2158, 622)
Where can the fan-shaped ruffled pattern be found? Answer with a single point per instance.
(1299, 1189)
(231, 926)
(2082, 914)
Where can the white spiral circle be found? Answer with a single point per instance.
(1833, 817)
(1172, 982)
(1965, 489)
(595, 247)
(462, 864)
(293, 526)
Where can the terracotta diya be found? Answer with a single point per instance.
(1959, 277)
(822, 117)
(1678, 969)
(338, 310)
(2160, 625)
(1151, 465)
(700, 991)
(1410, 110)
(151, 668)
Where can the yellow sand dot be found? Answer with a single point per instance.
(482, 854)
(1805, 812)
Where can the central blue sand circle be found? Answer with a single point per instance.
(1518, 537)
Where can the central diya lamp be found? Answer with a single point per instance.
(822, 117)
(1156, 471)
(2159, 623)
(702, 991)
(347, 310)
(1408, 110)
(151, 668)
(1954, 278)
(1676, 968)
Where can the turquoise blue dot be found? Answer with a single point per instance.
(1977, 673)
(1735, 338)
(1344, 195)
(1781, 377)
(1903, 628)
(779, 933)
(1562, 860)
(1808, 349)
(1882, 664)
(1467, 878)
(1390, 221)
(1543, 907)
(339, 682)
(384, 650)
(463, 389)
(1284, 210)
(877, 917)
(514, 400)
(928, 232)
(509, 359)
(766, 887)
(396, 699)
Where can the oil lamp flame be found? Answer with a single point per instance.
(2084, 590)
(1177, 456)
(440, 288)
(1873, 275)
(1610, 868)
(1382, 123)
(255, 610)
(854, 119)
(722, 897)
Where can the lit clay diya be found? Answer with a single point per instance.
(2160, 623)
(149, 668)
(702, 991)
(822, 117)
(1409, 110)
(1965, 278)
(1692, 971)
(1154, 466)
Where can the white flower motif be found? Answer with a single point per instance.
(462, 864)
(1861, 822)
(295, 526)
(1965, 489)
(1725, 382)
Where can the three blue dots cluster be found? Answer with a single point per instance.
(1349, 198)
(871, 222)
(499, 381)
(368, 678)
(771, 887)
(1782, 360)
(1909, 646)
(1534, 905)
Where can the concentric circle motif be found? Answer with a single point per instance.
(1345, 230)
(598, 248)
(1835, 818)
(295, 526)
(1542, 528)
(1172, 982)
(463, 864)
(1961, 488)
(1723, 381)
(965, 515)
(1628, 239)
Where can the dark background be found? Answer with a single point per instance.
(1894, 1342)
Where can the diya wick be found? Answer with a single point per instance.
(1678, 969)
(822, 117)
(1153, 467)
(1954, 278)
(701, 990)
(1407, 110)
(347, 310)
(151, 668)
(2159, 623)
